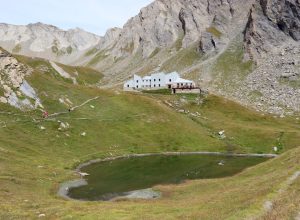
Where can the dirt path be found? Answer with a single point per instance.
(74, 108)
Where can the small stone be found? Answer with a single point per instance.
(41, 215)
(3, 100)
(221, 133)
(83, 134)
(221, 163)
(83, 174)
(268, 206)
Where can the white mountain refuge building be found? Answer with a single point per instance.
(158, 81)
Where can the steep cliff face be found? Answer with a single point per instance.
(271, 24)
(164, 22)
(46, 41)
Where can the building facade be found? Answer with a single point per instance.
(157, 81)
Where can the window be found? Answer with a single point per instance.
(137, 81)
(159, 80)
(170, 80)
(158, 85)
(137, 87)
(154, 85)
(128, 86)
(154, 80)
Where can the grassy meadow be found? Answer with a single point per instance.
(36, 157)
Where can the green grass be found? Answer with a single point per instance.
(17, 48)
(37, 64)
(69, 50)
(154, 53)
(292, 83)
(159, 91)
(214, 31)
(178, 43)
(84, 75)
(230, 67)
(128, 48)
(246, 130)
(183, 59)
(91, 52)
(33, 162)
(254, 95)
(97, 58)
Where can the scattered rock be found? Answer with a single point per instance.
(83, 134)
(63, 126)
(41, 215)
(83, 174)
(3, 100)
(221, 163)
(268, 206)
(222, 134)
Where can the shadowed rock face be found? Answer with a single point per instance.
(271, 23)
(285, 14)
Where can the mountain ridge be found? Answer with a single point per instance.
(225, 46)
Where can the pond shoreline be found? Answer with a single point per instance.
(145, 193)
(78, 169)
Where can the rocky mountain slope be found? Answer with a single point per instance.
(17, 91)
(14, 89)
(247, 50)
(46, 41)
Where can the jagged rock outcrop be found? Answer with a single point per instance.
(14, 89)
(164, 22)
(271, 24)
(47, 41)
(201, 39)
